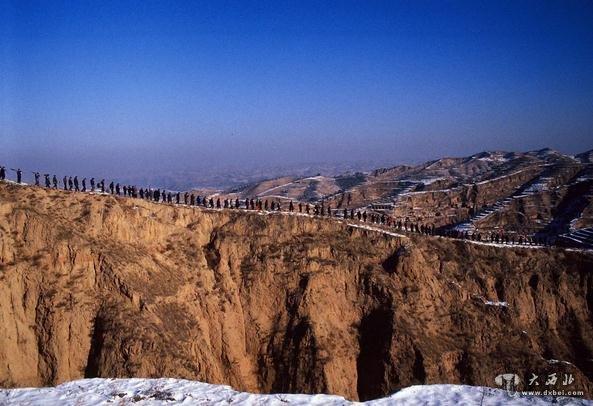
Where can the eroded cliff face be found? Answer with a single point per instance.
(94, 285)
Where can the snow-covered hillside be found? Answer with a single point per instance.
(182, 392)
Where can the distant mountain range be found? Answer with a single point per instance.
(536, 192)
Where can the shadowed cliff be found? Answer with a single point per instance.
(94, 285)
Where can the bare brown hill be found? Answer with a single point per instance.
(94, 285)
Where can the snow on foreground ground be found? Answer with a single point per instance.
(98, 391)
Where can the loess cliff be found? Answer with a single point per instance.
(100, 286)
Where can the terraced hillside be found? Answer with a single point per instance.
(539, 193)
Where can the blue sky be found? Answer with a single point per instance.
(160, 86)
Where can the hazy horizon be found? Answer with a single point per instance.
(138, 89)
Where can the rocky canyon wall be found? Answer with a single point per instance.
(94, 285)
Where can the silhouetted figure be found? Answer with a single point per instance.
(169, 198)
(125, 190)
(92, 181)
(177, 197)
(55, 182)
(111, 188)
(218, 203)
(102, 185)
(19, 175)
(351, 214)
(291, 207)
(117, 189)
(192, 199)
(47, 181)
(2, 173)
(211, 203)
(226, 203)
(70, 183)
(364, 216)
(266, 205)
(140, 192)
(345, 213)
(65, 180)
(36, 174)
(76, 184)
(358, 215)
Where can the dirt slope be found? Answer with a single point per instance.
(95, 285)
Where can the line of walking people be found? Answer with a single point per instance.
(70, 183)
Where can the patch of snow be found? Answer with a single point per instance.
(541, 185)
(572, 224)
(426, 181)
(314, 178)
(496, 158)
(429, 191)
(500, 304)
(494, 244)
(556, 361)
(502, 177)
(143, 392)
